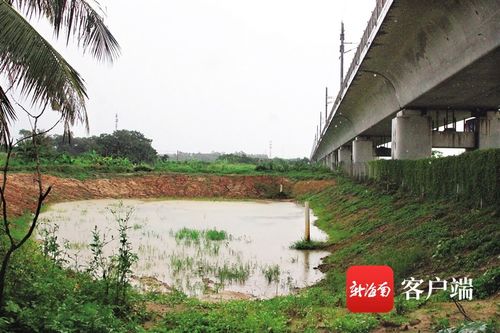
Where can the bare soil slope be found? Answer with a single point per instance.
(22, 188)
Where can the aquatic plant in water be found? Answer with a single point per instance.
(272, 273)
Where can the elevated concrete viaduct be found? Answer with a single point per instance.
(421, 65)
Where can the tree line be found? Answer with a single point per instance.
(132, 145)
(135, 147)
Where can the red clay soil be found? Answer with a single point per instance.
(311, 186)
(22, 188)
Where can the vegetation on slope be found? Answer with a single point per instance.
(416, 237)
(472, 178)
(413, 236)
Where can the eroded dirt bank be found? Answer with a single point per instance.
(22, 188)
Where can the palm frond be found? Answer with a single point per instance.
(76, 18)
(7, 114)
(37, 69)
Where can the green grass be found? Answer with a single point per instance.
(180, 263)
(215, 235)
(193, 235)
(19, 226)
(251, 316)
(233, 272)
(307, 245)
(94, 166)
(205, 167)
(188, 234)
(272, 273)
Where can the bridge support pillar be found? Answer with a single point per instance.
(333, 162)
(411, 136)
(345, 158)
(328, 160)
(489, 130)
(362, 153)
(362, 150)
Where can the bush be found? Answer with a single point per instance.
(43, 297)
(487, 284)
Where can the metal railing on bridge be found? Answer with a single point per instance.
(363, 46)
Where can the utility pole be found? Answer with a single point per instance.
(270, 149)
(326, 103)
(342, 51)
(328, 100)
(116, 121)
(320, 121)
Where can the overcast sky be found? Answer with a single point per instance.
(220, 75)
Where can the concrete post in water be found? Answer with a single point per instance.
(307, 236)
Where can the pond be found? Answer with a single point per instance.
(207, 249)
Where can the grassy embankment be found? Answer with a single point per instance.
(415, 236)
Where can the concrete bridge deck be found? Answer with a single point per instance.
(439, 59)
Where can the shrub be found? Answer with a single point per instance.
(487, 284)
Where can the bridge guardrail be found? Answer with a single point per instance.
(363, 45)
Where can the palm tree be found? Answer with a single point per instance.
(29, 63)
(31, 66)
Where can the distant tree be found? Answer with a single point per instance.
(284, 165)
(163, 157)
(29, 151)
(75, 146)
(123, 143)
(237, 158)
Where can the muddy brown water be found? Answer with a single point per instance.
(254, 259)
